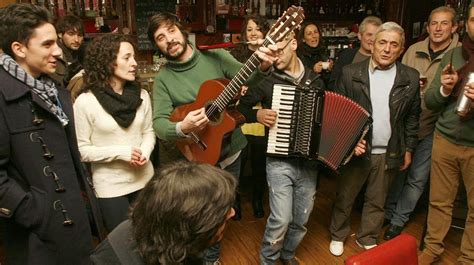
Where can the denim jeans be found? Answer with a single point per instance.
(404, 194)
(292, 187)
(212, 253)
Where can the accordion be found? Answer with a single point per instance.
(316, 124)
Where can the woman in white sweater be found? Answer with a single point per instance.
(113, 120)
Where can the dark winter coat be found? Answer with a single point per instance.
(404, 106)
(44, 223)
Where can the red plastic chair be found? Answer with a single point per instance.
(401, 250)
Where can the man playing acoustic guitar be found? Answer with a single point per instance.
(178, 83)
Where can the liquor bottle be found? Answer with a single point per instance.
(274, 10)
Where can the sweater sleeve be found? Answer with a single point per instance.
(162, 108)
(229, 64)
(433, 98)
(247, 102)
(149, 138)
(84, 121)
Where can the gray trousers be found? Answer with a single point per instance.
(350, 182)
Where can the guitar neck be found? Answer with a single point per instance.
(233, 88)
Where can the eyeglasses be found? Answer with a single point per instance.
(279, 51)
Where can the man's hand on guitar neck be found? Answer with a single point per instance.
(195, 120)
(268, 55)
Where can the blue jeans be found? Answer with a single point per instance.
(292, 187)
(212, 253)
(405, 194)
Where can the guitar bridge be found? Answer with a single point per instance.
(198, 141)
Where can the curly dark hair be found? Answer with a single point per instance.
(100, 59)
(178, 213)
(18, 22)
(242, 52)
(259, 20)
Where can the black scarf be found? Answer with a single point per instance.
(123, 108)
(314, 52)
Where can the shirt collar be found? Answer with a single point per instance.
(297, 76)
(374, 66)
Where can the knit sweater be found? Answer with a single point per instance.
(178, 83)
(108, 147)
(449, 123)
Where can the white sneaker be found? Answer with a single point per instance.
(336, 248)
(366, 247)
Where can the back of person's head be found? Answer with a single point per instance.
(179, 212)
(163, 19)
(18, 23)
(392, 26)
(261, 22)
(69, 23)
(100, 60)
(443, 9)
(372, 20)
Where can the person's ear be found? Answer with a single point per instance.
(60, 36)
(294, 44)
(18, 49)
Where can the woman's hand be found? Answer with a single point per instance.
(318, 67)
(137, 158)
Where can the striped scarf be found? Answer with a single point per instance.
(43, 87)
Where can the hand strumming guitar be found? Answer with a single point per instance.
(195, 120)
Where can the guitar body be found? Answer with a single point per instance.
(219, 96)
(213, 134)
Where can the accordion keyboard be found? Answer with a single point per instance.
(279, 135)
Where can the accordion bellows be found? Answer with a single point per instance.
(316, 124)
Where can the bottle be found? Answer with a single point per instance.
(463, 106)
(268, 8)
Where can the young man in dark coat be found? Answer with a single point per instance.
(41, 176)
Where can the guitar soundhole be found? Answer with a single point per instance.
(214, 115)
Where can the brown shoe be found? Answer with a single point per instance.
(426, 259)
(293, 261)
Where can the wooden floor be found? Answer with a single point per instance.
(241, 243)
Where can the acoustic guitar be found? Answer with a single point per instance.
(219, 98)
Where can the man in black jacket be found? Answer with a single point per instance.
(389, 90)
(366, 35)
(70, 30)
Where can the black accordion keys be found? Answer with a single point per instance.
(316, 124)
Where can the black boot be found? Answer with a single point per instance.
(257, 204)
(237, 209)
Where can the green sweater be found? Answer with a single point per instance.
(178, 83)
(449, 124)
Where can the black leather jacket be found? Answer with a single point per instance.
(404, 106)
